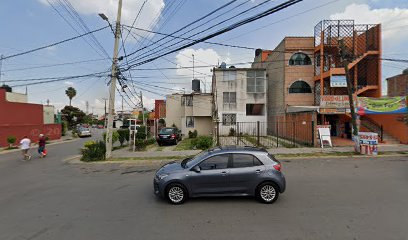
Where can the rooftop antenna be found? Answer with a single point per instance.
(193, 65)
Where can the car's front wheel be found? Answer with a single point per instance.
(176, 193)
(267, 192)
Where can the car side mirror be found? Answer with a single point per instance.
(196, 169)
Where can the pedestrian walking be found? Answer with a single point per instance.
(41, 146)
(25, 147)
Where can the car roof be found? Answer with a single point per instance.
(237, 149)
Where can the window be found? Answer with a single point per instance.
(187, 101)
(229, 97)
(245, 160)
(255, 109)
(300, 87)
(299, 59)
(229, 119)
(229, 75)
(216, 162)
(190, 122)
(255, 82)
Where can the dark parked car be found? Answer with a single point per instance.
(222, 171)
(168, 135)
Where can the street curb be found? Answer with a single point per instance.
(158, 162)
(49, 144)
(351, 156)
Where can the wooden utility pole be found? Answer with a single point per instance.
(346, 60)
(112, 89)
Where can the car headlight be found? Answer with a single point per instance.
(162, 176)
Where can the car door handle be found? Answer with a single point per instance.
(224, 172)
(258, 171)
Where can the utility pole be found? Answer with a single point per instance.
(346, 60)
(87, 106)
(1, 65)
(143, 113)
(112, 89)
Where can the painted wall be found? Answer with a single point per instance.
(19, 119)
(392, 125)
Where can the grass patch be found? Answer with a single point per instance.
(150, 158)
(185, 144)
(10, 148)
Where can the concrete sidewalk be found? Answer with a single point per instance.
(67, 138)
(125, 153)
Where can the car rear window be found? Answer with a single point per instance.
(166, 130)
(240, 160)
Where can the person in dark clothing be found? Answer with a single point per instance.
(41, 146)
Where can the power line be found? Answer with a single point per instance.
(217, 24)
(55, 65)
(53, 44)
(227, 29)
(186, 26)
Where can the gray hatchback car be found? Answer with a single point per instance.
(222, 171)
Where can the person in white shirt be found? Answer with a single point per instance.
(25, 146)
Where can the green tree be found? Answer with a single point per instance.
(71, 93)
(72, 115)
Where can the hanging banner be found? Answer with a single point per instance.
(390, 105)
(338, 81)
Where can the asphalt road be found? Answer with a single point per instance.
(325, 199)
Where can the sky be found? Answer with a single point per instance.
(29, 24)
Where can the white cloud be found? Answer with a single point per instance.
(202, 57)
(69, 83)
(392, 19)
(151, 10)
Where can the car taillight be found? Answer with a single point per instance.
(277, 167)
(173, 136)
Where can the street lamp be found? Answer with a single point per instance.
(103, 16)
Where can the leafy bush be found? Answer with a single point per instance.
(115, 136)
(123, 136)
(202, 142)
(64, 128)
(231, 132)
(192, 134)
(93, 151)
(89, 143)
(141, 144)
(141, 133)
(11, 140)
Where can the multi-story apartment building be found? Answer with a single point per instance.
(239, 95)
(290, 76)
(398, 85)
(190, 112)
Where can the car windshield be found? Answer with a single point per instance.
(166, 130)
(189, 162)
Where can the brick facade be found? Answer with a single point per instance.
(398, 85)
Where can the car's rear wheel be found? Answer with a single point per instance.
(267, 192)
(176, 193)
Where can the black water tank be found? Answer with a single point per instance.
(257, 52)
(7, 87)
(195, 85)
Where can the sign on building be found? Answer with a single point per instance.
(390, 105)
(338, 81)
(334, 104)
(368, 143)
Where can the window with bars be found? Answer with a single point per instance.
(300, 59)
(190, 122)
(300, 87)
(229, 119)
(229, 75)
(187, 101)
(229, 97)
(255, 82)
